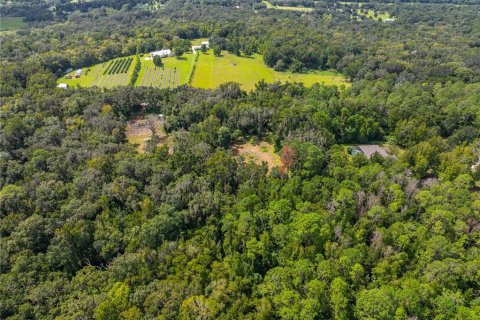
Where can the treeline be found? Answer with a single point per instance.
(31, 10)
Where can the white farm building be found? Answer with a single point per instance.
(198, 47)
(161, 53)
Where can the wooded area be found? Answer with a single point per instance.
(187, 228)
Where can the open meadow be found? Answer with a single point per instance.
(211, 71)
(287, 8)
(201, 70)
(12, 23)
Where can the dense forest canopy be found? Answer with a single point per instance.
(92, 229)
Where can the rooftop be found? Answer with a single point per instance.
(369, 149)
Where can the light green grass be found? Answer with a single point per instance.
(12, 23)
(212, 71)
(184, 65)
(287, 8)
(371, 14)
(202, 70)
(93, 76)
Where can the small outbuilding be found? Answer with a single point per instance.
(368, 150)
(78, 73)
(62, 86)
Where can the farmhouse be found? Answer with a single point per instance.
(195, 48)
(161, 53)
(206, 43)
(368, 150)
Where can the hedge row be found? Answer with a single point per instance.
(136, 71)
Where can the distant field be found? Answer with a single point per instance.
(202, 71)
(212, 71)
(301, 9)
(174, 72)
(12, 23)
(371, 14)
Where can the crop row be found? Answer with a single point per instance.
(118, 66)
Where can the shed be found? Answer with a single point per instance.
(369, 149)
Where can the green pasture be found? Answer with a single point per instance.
(371, 14)
(202, 70)
(287, 8)
(212, 71)
(184, 66)
(12, 23)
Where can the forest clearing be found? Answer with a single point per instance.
(205, 71)
(140, 130)
(257, 152)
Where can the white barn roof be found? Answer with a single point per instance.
(161, 53)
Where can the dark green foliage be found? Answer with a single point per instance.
(90, 229)
(136, 70)
(157, 61)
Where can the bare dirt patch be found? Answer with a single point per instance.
(142, 128)
(258, 152)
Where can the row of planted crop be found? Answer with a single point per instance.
(118, 66)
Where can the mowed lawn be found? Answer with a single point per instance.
(287, 8)
(201, 70)
(212, 71)
(12, 23)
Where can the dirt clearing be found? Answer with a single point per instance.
(141, 129)
(258, 152)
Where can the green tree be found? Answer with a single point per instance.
(157, 61)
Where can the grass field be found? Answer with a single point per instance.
(182, 67)
(301, 9)
(371, 14)
(202, 70)
(173, 73)
(212, 71)
(12, 23)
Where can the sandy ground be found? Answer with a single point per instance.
(139, 131)
(258, 152)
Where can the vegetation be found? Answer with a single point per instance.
(288, 8)
(12, 23)
(209, 71)
(136, 71)
(130, 202)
